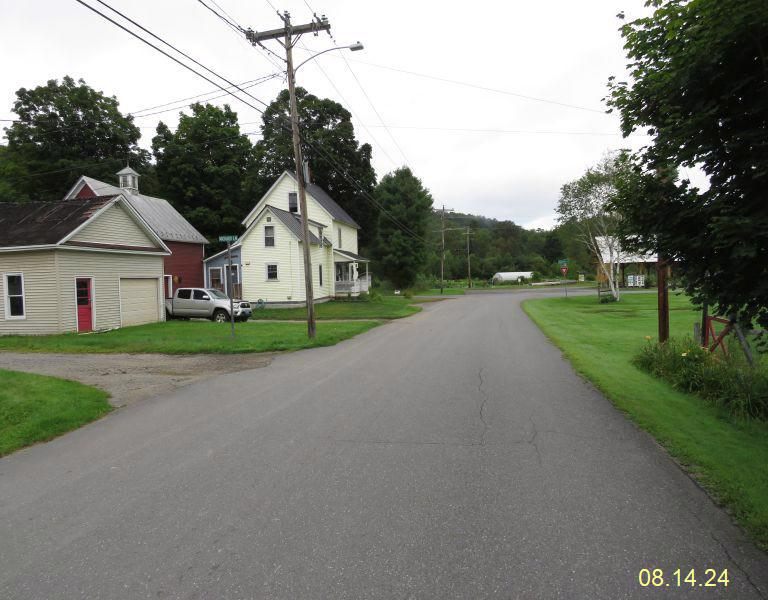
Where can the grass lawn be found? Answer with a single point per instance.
(727, 457)
(35, 408)
(190, 337)
(386, 307)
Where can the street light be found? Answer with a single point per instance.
(353, 47)
(287, 36)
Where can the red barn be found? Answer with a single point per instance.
(184, 266)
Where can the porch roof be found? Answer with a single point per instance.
(347, 256)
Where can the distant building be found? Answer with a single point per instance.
(512, 276)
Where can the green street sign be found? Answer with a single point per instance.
(228, 238)
(563, 262)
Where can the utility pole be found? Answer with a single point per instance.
(661, 279)
(469, 260)
(442, 254)
(290, 35)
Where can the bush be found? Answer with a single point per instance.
(725, 381)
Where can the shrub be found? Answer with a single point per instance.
(725, 381)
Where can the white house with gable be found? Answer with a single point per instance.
(271, 253)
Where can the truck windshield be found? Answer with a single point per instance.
(218, 294)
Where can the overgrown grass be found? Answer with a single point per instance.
(725, 381)
(35, 408)
(379, 307)
(726, 456)
(191, 337)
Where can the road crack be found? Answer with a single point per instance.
(481, 409)
(532, 440)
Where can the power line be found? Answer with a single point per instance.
(101, 162)
(517, 131)
(370, 133)
(186, 66)
(479, 87)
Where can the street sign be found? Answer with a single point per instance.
(228, 238)
(563, 262)
(564, 270)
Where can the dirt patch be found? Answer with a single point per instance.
(133, 377)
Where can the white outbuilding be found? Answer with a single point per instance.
(512, 276)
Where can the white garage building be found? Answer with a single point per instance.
(78, 265)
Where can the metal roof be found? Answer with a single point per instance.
(162, 217)
(351, 255)
(293, 222)
(44, 223)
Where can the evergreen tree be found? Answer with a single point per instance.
(400, 254)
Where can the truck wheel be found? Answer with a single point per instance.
(168, 316)
(220, 316)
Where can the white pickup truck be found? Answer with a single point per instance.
(201, 303)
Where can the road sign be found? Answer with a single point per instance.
(564, 270)
(228, 238)
(563, 262)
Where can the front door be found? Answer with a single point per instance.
(84, 305)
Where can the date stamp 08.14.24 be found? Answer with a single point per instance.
(704, 578)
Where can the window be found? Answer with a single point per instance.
(235, 279)
(293, 202)
(339, 237)
(15, 306)
(184, 294)
(269, 235)
(215, 278)
(320, 272)
(200, 295)
(271, 272)
(168, 286)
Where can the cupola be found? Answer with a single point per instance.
(129, 180)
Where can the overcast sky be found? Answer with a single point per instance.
(556, 50)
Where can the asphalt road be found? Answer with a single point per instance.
(453, 454)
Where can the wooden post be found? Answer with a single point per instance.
(704, 316)
(661, 277)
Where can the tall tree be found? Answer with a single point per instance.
(201, 166)
(586, 204)
(63, 130)
(330, 147)
(401, 254)
(699, 85)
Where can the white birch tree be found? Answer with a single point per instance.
(585, 202)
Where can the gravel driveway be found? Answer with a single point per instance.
(132, 377)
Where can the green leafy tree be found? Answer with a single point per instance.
(699, 86)
(201, 166)
(65, 129)
(401, 255)
(553, 247)
(330, 148)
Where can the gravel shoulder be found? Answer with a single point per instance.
(129, 378)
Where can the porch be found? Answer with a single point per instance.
(348, 279)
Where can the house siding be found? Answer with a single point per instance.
(41, 302)
(279, 199)
(106, 269)
(114, 226)
(185, 264)
(348, 237)
(49, 287)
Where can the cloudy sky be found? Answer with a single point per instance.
(521, 114)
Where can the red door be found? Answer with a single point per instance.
(84, 305)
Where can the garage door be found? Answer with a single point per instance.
(138, 301)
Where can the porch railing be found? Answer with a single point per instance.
(356, 286)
